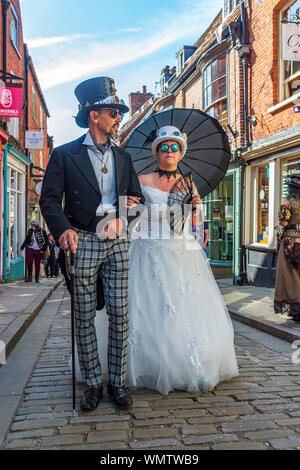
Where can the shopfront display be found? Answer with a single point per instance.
(219, 214)
(263, 204)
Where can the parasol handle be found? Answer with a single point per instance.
(194, 227)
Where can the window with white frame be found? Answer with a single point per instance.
(215, 90)
(14, 127)
(33, 103)
(14, 27)
(15, 193)
(41, 118)
(229, 6)
(290, 69)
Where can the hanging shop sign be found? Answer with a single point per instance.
(291, 41)
(11, 101)
(34, 140)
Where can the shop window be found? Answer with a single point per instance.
(218, 210)
(288, 168)
(262, 199)
(290, 69)
(14, 27)
(215, 90)
(14, 199)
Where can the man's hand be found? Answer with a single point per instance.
(111, 229)
(69, 240)
(131, 201)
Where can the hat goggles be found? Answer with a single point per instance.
(164, 133)
(165, 147)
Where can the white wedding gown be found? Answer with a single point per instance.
(180, 332)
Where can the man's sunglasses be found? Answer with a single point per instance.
(174, 148)
(114, 112)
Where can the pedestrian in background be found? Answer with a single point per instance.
(50, 263)
(36, 243)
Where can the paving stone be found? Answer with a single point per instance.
(97, 419)
(290, 394)
(155, 443)
(75, 429)
(270, 434)
(33, 409)
(151, 414)
(215, 399)
(230, 392)
(47, 389)
(20, 444)
(187, 430)
(103, 436)
(256, 396)
(288, 422)
(285, 443)
(158, 422)
(189, 413)
(36, 396)
(178, 404)
(240, 446)
(62, 440)
(32, 433)
(210, 438)
(263, 417)
(234, 410)
(111, 426)
(279, 407)
(36, 424)
(241, 426)
(212, 419)
(154, 432)
(269, 402)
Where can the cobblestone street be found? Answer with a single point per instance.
(260, 409)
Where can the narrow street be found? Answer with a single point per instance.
(259, 410)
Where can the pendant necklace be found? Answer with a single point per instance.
(104, 168)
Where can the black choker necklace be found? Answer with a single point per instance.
(166, 172)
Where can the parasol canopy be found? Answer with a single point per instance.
(208, 150)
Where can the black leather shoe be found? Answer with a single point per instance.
(37, 279)
(28, 279)
(119, 395)
(91, 398)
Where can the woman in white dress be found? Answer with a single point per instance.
(180, 333)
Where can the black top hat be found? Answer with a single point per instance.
(94, 93)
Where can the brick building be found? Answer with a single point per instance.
(274, 87)
(235, 73)
(36, 121)
(15, 161)
(137, 100)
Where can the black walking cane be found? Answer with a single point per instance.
(71, 272)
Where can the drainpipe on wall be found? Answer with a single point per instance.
(5, 215)
(243, 50)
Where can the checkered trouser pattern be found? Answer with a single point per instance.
(111, 257)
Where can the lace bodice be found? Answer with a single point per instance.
(155, 221)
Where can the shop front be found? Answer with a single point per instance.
(265, 189)
(220, 214)
(14, 213)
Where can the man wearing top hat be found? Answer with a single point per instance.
(93, 174)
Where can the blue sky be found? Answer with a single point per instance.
(71, 40)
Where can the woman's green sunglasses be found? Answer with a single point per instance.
(174, 148)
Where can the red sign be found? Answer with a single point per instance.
(11, 101)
